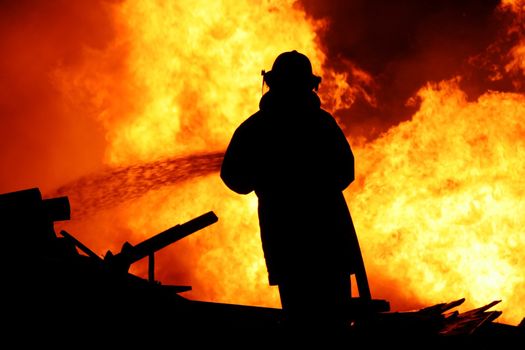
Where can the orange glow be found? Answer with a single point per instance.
(514, 5)
(438, 201)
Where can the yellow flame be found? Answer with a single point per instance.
(198, 66)
(440, 204)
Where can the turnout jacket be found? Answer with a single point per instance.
(295, 157)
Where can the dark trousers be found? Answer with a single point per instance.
(317, 302)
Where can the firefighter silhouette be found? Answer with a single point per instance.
(295, 157)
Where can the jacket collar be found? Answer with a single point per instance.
(272, 101)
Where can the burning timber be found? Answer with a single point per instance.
(56, 277)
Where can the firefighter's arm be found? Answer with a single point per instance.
(237, 168)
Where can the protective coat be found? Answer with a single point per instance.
(295, 157)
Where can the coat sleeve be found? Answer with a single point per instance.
(237, 167)
(343, 158)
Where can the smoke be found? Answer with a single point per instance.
(405, 44)
(37, 39)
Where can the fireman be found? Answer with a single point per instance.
(295, 157)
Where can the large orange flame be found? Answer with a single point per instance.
(437, 201)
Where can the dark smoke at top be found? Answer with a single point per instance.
(403, 44)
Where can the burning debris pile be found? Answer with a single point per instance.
(58, 276)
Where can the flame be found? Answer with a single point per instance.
(516, 55)
(437, 200)
(440, 201)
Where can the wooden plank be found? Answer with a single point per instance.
(442, 307)
(79, 244)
